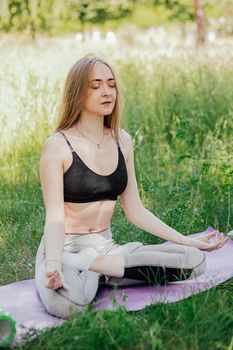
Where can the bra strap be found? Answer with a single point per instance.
(68, 142)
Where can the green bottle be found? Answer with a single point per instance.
(7, 329)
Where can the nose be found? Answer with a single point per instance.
(106, 90)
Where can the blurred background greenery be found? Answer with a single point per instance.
(53, 17)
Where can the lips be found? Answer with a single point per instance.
(106, 103)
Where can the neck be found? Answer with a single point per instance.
(91, 125)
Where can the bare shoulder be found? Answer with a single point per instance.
(125, 136)
(54, 147)
(125, 142)
(53, 140)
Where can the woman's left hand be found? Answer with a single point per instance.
(208, 243)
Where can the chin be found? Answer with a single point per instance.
(108, 110)
(105, 112)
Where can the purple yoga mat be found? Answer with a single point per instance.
(22, 301)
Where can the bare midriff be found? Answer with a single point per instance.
(88, 217)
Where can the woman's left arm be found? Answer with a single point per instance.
(145, 220)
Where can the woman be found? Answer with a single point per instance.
(85, 166)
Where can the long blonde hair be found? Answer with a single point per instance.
(75, 93)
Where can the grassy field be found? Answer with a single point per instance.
(179, 112)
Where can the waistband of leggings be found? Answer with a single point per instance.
(89, 233)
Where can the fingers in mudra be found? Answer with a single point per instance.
(219, 240)
(53, 280)
(223, 241)
(213, 234)
(218, 244)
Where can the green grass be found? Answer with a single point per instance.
(179, 112)
(156, 327)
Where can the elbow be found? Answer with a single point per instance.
(53, 220)
(135, 215)
(55, 216)
(56, 225)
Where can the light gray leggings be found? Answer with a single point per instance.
(160, 263)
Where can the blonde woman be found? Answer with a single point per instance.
(85, 166)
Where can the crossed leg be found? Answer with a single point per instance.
(160, 264)
(130, 263)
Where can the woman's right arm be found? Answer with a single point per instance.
(51, 175)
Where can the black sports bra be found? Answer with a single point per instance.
(82, 185)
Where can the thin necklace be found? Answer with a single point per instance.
(97, 144)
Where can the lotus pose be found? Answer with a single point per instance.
(86, 164)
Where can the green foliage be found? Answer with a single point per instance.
(183, 124)
(182, 10)
(29, 15)
(145, 15)
(60, 16)
(42, 15)
(99, 11)
(204, 321)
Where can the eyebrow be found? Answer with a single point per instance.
(101, 79)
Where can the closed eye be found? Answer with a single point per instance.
(97, 87)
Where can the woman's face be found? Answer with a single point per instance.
(101, 96)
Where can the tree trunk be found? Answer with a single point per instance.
(200, 20)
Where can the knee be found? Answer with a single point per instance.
(58, 306)
(62, 303)
(196, 261)
(53, 301)
(195, 256)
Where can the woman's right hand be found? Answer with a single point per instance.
(54, 277)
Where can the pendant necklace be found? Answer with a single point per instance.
(97, 144)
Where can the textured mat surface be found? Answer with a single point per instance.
(21, 298)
